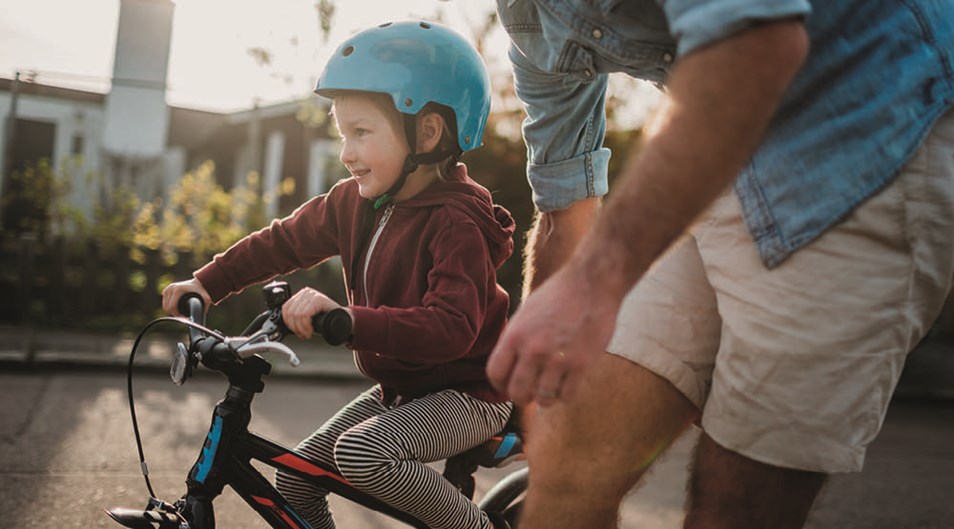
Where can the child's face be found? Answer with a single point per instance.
(371, 148)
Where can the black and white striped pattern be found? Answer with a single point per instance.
(384, 452)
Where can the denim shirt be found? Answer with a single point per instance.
(879, 74)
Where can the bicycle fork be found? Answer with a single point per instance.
(206, 479)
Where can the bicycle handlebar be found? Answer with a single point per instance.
(335, 326)
(192, 306)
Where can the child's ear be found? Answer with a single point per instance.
(430, 130)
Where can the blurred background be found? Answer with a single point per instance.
(143, 136)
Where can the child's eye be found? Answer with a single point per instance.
(361, 132)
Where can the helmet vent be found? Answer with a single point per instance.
(425, 25)
(386, 24)
(347, 51)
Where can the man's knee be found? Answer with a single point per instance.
(622, 418)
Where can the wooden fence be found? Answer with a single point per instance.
(87, 284)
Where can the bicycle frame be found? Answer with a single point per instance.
(230, 447)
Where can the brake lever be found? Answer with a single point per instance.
(267, 346)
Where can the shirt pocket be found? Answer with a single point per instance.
(521, 20)
(646, 61)
(583, 44)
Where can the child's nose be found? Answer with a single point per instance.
(346, 155)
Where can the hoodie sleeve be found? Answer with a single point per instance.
(460, 284)
(303, 239)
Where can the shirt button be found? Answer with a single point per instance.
(667, 57)
(588, 73)
(597, 34)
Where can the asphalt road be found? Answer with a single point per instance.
(67, 452)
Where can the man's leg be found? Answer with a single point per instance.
(728, 490)
(585, 455)
(811, 350)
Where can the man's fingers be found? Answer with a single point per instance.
(500, 365)
(523, 380)
(550, 383)
(570, 384)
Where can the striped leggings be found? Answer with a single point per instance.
(384, 452)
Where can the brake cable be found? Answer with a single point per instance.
(129, 384)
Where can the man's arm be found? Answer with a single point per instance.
(552, 239)
(721, 98)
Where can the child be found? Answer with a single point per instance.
(420, 243)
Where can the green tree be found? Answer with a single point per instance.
(200, 219)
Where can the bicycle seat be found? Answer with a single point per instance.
(500, 450)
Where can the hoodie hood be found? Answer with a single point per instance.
(463, 194)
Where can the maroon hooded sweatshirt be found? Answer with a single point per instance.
(427, 307)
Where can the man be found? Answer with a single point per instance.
(787, 221)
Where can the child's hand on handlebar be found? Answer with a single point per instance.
(304, 305)
(172, 293)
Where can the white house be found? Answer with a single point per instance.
(133, 138)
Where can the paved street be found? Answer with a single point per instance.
(67, 451)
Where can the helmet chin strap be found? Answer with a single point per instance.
(411, 162)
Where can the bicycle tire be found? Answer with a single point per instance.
(506, 497)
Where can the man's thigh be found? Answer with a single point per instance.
(795, 366)
(812, 350)
(669, 322)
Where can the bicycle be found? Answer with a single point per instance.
(229, 447)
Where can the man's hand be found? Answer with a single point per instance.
(299, 310)
(551, 340)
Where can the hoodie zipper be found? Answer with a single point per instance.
(374, 241)
(367, 262)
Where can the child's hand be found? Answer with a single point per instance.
(172, 293)
(302, 307)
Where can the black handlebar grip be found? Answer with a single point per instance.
(334, 326)
(192, 306)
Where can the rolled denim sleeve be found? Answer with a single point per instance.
(695, 23)
(564, 131)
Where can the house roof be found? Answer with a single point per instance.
(57, 92)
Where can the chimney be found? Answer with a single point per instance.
(137, 118)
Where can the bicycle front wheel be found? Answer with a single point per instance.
(506, 497)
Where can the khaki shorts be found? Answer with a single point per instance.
(795, 366)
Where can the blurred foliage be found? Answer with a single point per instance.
(43, 204)
(200, 219)
(326, 16)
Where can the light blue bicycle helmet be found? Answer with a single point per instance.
(416, 63)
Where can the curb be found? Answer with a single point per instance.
(29, 350)
(928, 372)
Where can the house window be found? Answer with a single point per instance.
(76, 146)
(32, 142)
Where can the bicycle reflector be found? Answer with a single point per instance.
(181, 365)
